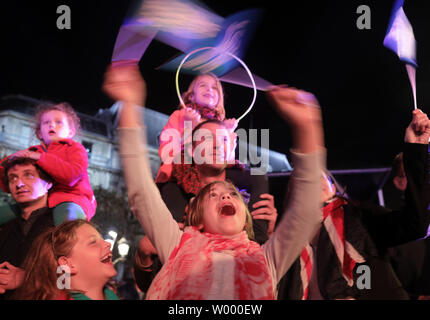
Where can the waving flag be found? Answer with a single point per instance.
(233, 37)
(187, 25)
(400, 39)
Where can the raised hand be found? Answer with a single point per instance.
(191, 115)
(125, 83)
(418, 130)
(295, 106)
(301, 110)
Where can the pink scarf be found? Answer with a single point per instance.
(189, 274)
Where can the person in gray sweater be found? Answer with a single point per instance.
(213, 257)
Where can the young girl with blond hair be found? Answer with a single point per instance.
(213, 258)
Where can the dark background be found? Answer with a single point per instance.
(362, 86)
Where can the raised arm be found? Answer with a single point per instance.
(389, 228)
(303, 214)
(126, 84)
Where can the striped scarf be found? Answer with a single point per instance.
(206, 112)
(333, 222)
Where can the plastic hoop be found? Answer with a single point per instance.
(230, 54)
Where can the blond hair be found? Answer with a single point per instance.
(197, 207)
(219, 108)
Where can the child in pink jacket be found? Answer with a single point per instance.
(203, 100)
(65, 160)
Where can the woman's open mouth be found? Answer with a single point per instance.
(107, 258)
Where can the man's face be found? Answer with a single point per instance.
(25, 184)
(211, 147)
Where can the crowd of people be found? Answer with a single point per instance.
(211, 229)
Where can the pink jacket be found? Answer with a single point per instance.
(176, 121)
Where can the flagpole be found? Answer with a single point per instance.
(411, 73)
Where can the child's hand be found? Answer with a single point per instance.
(192, 115)
(125, 83)
(297, 107)
(301, 110)
(231, 124)
(25, 154)
(418, 130)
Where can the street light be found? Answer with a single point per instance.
(123, 247)
(113, 234)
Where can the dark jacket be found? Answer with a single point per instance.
(17, 236)
(372, 229)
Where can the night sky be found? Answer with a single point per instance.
(362, 86)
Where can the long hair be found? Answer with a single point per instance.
(186, 96)
(41, 263)
(197, 207)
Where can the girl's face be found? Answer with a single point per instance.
(224, 211)
(205, 92)
(91, 257)
(54, 125)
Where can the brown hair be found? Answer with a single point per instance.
(186, 96)
(41, 263)
(64, 107)
(201, 124)
(10, 163)
(196, 208)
